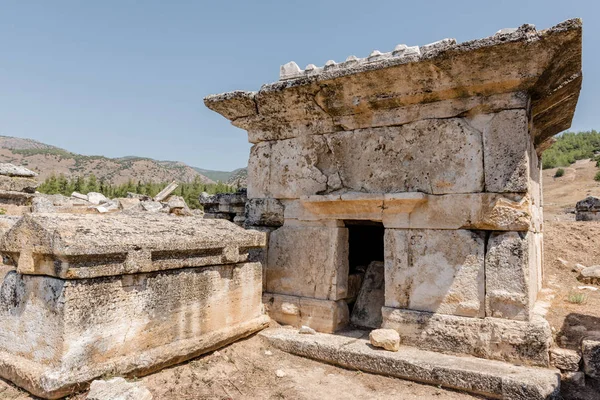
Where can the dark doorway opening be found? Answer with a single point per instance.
(366, 272)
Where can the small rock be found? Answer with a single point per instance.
(268, 353)
(578, 267)
(565, 359)
(563, 262)
(118, 389)
(280, 373)
(590, 274)
(151, 206)
(307, 330)
(574, 378)
(96, 198)
(587, 288)
(388, 339)
(42, 205)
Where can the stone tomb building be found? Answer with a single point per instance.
(426, 159)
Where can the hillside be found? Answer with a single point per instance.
(47, 160)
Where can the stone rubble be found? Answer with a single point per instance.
(564, 359)
(229, 206)
(118, 389)
(387, 339)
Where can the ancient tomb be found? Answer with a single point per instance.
(426, 159)
(93, 295)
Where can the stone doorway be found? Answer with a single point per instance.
(366, 293)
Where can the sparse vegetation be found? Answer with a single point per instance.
(597, 176)
(559, 172)
(570, 147)
(577, 298)
(189, 191)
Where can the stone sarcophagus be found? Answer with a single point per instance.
(426, 159)
(93, 295)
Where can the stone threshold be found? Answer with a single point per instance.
(351, 349)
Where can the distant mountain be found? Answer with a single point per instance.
(238, 177)
(47, 160)
(222, 176)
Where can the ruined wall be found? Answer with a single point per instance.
(440, 145)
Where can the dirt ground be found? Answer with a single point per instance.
(247, 369)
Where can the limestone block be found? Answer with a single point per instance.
(439, 271)
(492, 338)
(7, 169)
(264, 212)
(387, 339)
(96, 198)
(322, 315)
(371, 297)
(506, 141)
(118, 389)
(64, 333)
(565, 359)
(42, 204)
(508, 272)
(84, 246)
(590, 348)
(430, 156)
(18, 184)
(308, 261)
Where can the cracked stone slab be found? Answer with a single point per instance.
(490, 378)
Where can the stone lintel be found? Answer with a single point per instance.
(545, 64)
(86, 246)
(483, 211)
(493, 379)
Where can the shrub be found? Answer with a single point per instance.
(597, 177)
(559, 172)
(577, 298)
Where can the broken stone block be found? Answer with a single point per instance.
(18, 184)
(506, 143)
(588, 209)
(163, 194)
(264, 212)
(590, 274)
(79, 196)
(118, 294)
(508, 271)
(128, 203)
(108, 206)
(118, 389)
(294, 267)
(387, 339)
(371, 297)
(565, 359)
(96, 198)
(7, 169)
(42, 205)
(151, 206)
(590, 348)
(439, 271)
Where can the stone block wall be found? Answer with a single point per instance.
(441, 146)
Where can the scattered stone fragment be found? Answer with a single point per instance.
(151, 206)
(128, 203)
(563, 262)
(307, 330)
(388, 339)
(578, 267)
(14, 170)
(79, 196)
(118, 389)
(96, 198)
(268, 353)
(565, 359)
(590, 274)
(163, 194)
(111, 205)
(280, 373)
(42, 205)
(590, 348)
(178, 206)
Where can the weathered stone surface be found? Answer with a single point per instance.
(588, 209)
(491, 338)
(387, 339)
(18, 184)
(163, 194)
(485, 377)
(96, 198)
(321, 315)
(308, 262)
(565, 359)
(127, 203)
(7, 169)
(306, 330)
(546, 64)
(60, 334)
(432, 156)
(435, 270)
(151, 206)
(506, 141)
(371, 297)
(590, 274)
(510, 276)
(42, 205)
(118, 389)
(590, 349)
(90, 245)
(573, 378)
(264, 212)
(79, 196)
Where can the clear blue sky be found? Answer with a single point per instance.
(120, 77)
